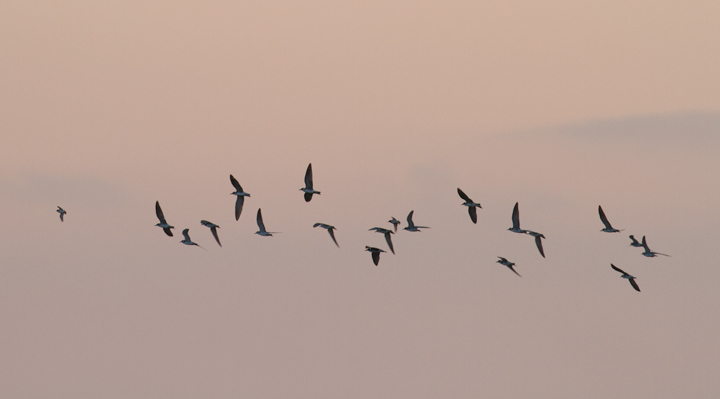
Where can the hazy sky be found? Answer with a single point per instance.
(106, 107)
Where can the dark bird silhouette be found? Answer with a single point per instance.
(627, 276)
(472, 205)
(240, 196)
(163, 224)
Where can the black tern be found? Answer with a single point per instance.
(472, 205)
(627, 276)
(240, 196)
(213, 229)
(308, 189)
(387, 233)
(62, 213)
(330, 229)
(411, 226)
(163, 224)
(608, 228)
(507, 263)
(375, 254)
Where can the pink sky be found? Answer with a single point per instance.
(107, 107)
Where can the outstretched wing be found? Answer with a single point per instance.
(603, 218)
(634, 284)
(186, 234)
(159, 212)
(538, 242)
(308, 179)
(617, 269)
(214, 233)
(409, 219)
(260, 223)
(235, 184)
(308, 196)
(516, 217)
(463, 195)
(473, 213)
(389, 241)
(239, 205)
(332, 235)
(376, 258)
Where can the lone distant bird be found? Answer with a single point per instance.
(635, 243)
(375, 254)
(261, 226)
(507, 263)
(608, 228)
(411, 226)
(472, 205)
(330, 229)
(387, 233)
(163, 224)
(394, 222)
(240, 197)
(648, 252)
(627, 276)
(308, 189)
(213, 229)
(62, 213)
(187, 240)
(516, 221)
(538, 241)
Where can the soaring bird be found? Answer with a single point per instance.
(538, 241)
(627, 276)
(507, 263)
(635, 243)
(330, 229)
(411, 226)
(187, 240)
(375, 254)
(387, 233)
(648, 252)
(394, 222)
(516, 221)
(608, 228)
(213, 229)
(472, 205)
(62, 213)
(308, 189)
(261, 226)
(163, 224)
(240, 196)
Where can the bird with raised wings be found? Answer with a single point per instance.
(630, 278)
(187, 240)
(163, 224)
(261, 226)
(375, 252)
(240, 196)
(634, 242)
(387, 233)
(648, 252)
(308, 189)
(411, 226)
(330, 229)
(510, 265)
(62, 213)
(213, 229)
(394, 222)
(472, 205)
(608, 228)
(516, 221)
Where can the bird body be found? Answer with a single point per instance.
(308, 189)
(507, 263)
(608, 228)
(240, 196)
(163, 223)
(375, 252)
(213, 229)
(330, 229)
(62, 213)
(394, 222)
(627, 276)
(411, 226)
(635, 243)
(472, 205)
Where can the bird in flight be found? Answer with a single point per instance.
(635, 243)
(62, 213)
(375, 254)
(472, 205)
(330, 229)
(394, 222)
(187, 240)
(516, 221)
(387, 233)
(213, 229)
(538, 241)
(261, 226)
(411, 226)
(163, 224)
(507, 263)
(608, 228)
(308, 189)
(648, 252)
(240, 196)
(627, 276)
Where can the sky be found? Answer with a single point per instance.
(107, 107)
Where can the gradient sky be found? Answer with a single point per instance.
(106, 107)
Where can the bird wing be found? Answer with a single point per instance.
(260, 223)
(463, 195)
(186, 234)
(473, 213)
(159, 212)
(516, 217)
(317, 224)
(332, 235)
(308, 178)
(239, 205)
(644, 244)
(235, 184)
(513, 269)
(603, 218)
(409, 219)
(634, 284)
(376, 258)
(214, 233)
(61, 216)
(168, 232)
(617, 269)
(308, 196)
(538, 242)
(634, 241)
(389, 241)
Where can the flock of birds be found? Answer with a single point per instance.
(375, 252)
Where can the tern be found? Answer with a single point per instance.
(635, 243)
(411, 226)
(507, 263)
(213, 229)
(62, 213)
(375, 254)
(387, 233)
(240, 197)
(163, 224)
(330, 229)
(187, 240)
(516, 221)
(472, 205)
(630, 278)
(608, 228)
(538, 241)
(261, 226)
(308, 189)
(394, 222)
(648, 252)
